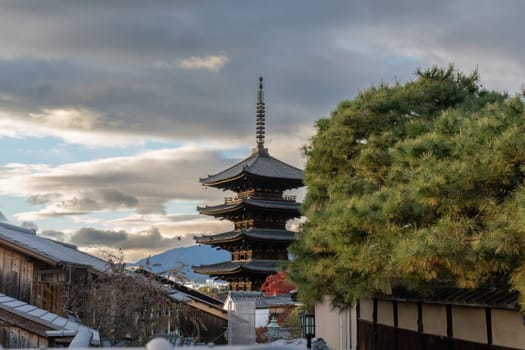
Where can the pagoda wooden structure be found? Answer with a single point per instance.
(259, 211)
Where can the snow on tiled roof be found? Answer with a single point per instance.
(45, 318)
(48, 249)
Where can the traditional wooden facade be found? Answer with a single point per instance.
(39, 271)
(447, 318)
(259, 211)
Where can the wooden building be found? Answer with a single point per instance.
(38, 271)
(447, 318)
(26, 326)
(259, 211)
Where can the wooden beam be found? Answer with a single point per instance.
(209, 309)
(24, 323)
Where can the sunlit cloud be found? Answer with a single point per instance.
(173, 225)
(70, 125)
(67, 118)
(143, 183)
(213, 63)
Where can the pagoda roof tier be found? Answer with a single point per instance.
(230, 207)
(260, 164)
(255, 234)
(237, 267)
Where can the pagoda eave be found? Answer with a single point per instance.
(217, 183)
(235, 181)
(238, 267)
(266, 235)
(243, 204)
(261, 165)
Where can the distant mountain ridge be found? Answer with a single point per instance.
(188, 256)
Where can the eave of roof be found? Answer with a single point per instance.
(44, 318)
(179, 288)
(261, 301)
(46, 250)
(182, 294)
(253, 234)
(258, 164)
(485, 297)
(235, 267)
(256, 203)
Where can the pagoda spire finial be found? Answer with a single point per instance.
(260, 123)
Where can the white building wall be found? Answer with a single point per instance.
(508, 329)
(337, 327)
(262, 317)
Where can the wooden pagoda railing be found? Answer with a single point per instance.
(263, 196)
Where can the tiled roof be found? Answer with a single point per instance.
(183, 294)
(257, 203)
(47, 249)
(178, 290)
(261, 301)
(223, 267)
(230, 267)
(485, 297)
(260, 164)
(45, 318)
(255, 233)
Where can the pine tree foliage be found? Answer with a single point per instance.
(413, 185)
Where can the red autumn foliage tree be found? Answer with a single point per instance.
(276, 284)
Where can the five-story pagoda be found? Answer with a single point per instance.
(259, 211)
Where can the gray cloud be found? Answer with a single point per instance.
(84, 201)
(104, 58)
(88, 236)
(54, 234)
(29, 224)
(143, 183)
(43, 198)
(97, 200)
(146, 240)
(2, 217)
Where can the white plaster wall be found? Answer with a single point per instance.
(366, 309)
(261, 317)
(337, 327)
(407, 316)
(326, 323)
(435, 319)
(385, 313)
(469, 324)
(508, 329)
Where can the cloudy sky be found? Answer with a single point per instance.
(110, 111)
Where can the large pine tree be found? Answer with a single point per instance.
(414, 185)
